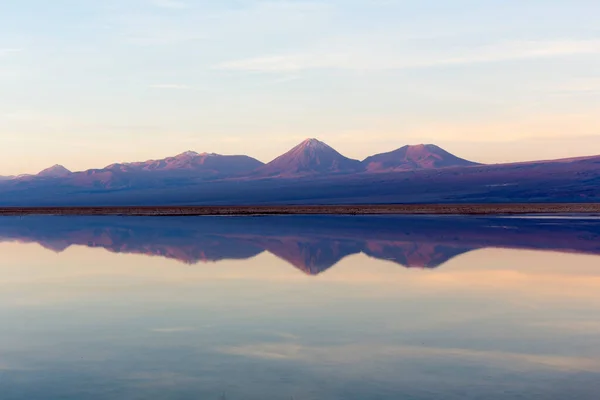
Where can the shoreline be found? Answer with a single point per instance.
(379, 209)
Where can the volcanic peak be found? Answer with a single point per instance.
(56, 170)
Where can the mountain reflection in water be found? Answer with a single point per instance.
(312, 244)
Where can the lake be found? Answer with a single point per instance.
(299, 307)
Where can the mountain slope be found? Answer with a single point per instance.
(311, 173)
(423, 156)
(308, 158)
(180, 170)
(575, 180)
(56, 171)
(204, 163)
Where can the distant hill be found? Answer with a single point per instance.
(308, 158)
(185, 167)
(310, 173)
(423, 156)
(205, 164)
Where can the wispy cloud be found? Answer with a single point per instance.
(173, 330)
(577, 86)
(8, 51)
(527, 49)
(158, 29)
(287, 63)
(173, 4)
(366, 58)
(351, 354)
(170, 86)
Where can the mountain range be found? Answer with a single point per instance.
(311, 157)
(311, 172)
(312, 244)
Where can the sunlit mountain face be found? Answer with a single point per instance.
(312, 244)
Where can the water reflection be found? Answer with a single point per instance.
(311, 244)
(493, 323)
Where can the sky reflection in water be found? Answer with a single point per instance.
(302, 307)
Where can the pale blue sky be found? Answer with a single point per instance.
(87, 82)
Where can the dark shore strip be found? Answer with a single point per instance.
(406, 209)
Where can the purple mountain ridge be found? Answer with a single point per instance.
(422, 156)
(310, 173)
(308, 158)
(204, 163)
(185, 166)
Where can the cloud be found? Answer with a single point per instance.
(173, 330)
(360, 352)
(395, 57)
(8, 51)
(287, 63)
(527, 49)
(169, 86)
(577, 86)
(173, 4)
(158, 29)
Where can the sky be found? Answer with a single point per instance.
(86, 83)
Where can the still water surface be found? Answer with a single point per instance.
(302, 308)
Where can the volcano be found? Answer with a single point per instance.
(422, 156)
(56, 171)
(308, 158)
